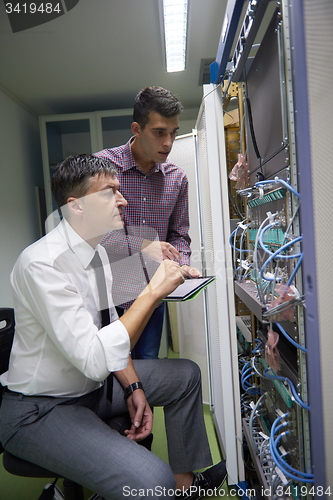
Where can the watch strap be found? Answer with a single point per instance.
(131, 388)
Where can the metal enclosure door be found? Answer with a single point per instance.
(313, 71)
(212, 313)
(215, 231)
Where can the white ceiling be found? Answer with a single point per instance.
(101, 53)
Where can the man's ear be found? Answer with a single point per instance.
(74, 206)
(135, 127)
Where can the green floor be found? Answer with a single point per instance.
(160, 447)
(18, 488)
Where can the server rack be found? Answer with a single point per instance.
(280, 313)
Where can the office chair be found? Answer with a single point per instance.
(20, 467)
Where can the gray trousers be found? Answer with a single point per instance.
(71, 437)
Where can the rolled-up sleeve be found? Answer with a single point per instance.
(116, 345)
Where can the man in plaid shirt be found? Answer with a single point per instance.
(156, 219)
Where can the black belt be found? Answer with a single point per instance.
(57, 397)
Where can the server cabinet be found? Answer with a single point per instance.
(280, 62)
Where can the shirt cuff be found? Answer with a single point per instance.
(116, 344)
(184, 260)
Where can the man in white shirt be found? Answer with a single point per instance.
(59, 391)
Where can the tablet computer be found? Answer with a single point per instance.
(189, 289)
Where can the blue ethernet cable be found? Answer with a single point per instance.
(277, 254)
(301, 479)
(282, 248)
(277, 457)
(246, 374)
(261, 233)
(278, 181)
(283, 462)
(293, 274)
(231, 238)
(291, 340)
(287, 469)
(291, 385)
(259, 348)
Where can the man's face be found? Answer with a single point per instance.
(102, 205)
(157, 138)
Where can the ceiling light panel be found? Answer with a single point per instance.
(175, 30)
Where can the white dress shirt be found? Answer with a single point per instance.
(59, 348)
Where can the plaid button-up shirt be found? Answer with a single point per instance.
(157, 210)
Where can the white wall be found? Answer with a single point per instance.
(186, 126)
(187, 121)
(20, 172)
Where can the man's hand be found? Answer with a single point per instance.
(166, 279)
(159, 250)
(190, 272)
(141, 416)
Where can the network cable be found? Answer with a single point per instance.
(257, 275)
(291, 385)
(261, 231)
(277, 253)
(290, 280)
(259, 348)
(252, 416)
(247, 372)
(232, 241)
(277, 180)
(287, 469)
(232, 237)
(293, 274)
(282, 248)
(291, 340)
(283, 379)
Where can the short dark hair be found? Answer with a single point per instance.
(155, 99)
(72, 177)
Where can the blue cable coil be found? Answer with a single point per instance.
(248, 372)
(287, 469)
(277, 253)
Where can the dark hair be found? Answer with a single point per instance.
(155, 99)
(72, 177)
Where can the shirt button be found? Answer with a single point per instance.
(143, 222)
(144, 199)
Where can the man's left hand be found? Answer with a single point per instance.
(141, 416)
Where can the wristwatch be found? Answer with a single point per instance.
(131, 388)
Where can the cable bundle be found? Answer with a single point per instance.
(287, 469)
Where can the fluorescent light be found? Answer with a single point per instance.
(175, 28)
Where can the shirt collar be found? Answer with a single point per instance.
(130, 161)
(81, 248)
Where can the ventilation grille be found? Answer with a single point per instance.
(204, 76)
